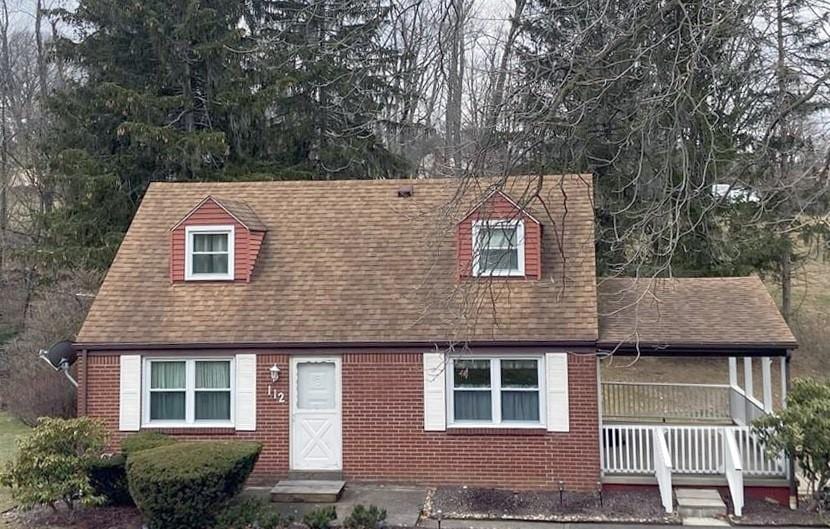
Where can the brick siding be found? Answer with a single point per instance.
(383, 435)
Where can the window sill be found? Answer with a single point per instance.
(495, 430)
(185, 430)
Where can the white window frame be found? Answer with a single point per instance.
(520, 247)
(190, 394)
(190, 231)
(495, 393)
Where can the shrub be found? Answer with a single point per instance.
(184, 485)
(144, 441)
(52, 461)
(108, 477)
(365, 518)
(250, 513)
(802, 431)
(320, 518)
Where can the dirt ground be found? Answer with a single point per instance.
(497, 504)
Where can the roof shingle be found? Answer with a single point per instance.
(351, 262)
(715, 311)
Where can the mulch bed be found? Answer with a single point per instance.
(82, 518)
(462, 503)
(762, 512)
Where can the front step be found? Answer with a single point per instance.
(699, 503)
(307, 491)
(315, 475)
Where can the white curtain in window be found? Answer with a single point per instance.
(213, 405)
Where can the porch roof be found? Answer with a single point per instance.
(673, 315)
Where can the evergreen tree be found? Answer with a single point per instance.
(325, 68)
(207, 90)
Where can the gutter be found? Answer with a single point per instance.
(420, 346)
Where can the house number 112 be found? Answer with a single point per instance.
(278, 396)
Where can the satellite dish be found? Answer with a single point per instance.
(60, 355)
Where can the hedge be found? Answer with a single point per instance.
(144, 441)
(108, 475)
(184, 485)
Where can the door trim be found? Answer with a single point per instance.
(293, 400)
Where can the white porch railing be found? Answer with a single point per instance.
(693, 450)
(733, 468)
(742, 408)
(663, 468)
(661, 402)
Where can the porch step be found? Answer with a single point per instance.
(315, 475)
(699, 503)
(705, 522)
(307, 491)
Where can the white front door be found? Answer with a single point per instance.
(315, 414)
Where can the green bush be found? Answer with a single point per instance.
(365, 518)
(52, 461)
(185, 485)
(320, 518)
(249, 513)
(144, 441)
(802, 431)
(108, 477)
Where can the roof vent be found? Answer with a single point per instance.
(406, 191)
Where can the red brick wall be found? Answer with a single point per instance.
(246, 243)
(499, 208)
(383, 435)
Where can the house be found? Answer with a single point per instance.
(416, 331)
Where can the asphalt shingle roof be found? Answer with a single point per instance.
(722, 311)
(351, 262)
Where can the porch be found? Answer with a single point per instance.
(673, 433)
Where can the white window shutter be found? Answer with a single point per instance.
(129, 402)
(245, 398)
(556, 387)
(435, 402)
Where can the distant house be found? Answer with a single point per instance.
(403, 331)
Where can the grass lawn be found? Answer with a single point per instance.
(10, 429)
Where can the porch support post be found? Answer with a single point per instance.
(748, 376)
(783, 365)
(766, 375)
(733, 371)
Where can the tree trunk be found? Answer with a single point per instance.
(455, 86)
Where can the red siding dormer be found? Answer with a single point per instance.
(495, 208)
(248, 235)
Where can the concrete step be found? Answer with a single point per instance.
(699, 503)
(315, 475)
(307, 491)
(705, 522)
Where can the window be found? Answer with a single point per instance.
(209, 252)
(496, 391)
(498, 248)
(188, 392)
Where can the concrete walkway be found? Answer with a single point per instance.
(403, 504)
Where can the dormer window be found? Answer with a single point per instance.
(498, 248)
(209, 253)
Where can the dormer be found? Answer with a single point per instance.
(218, 240)
(499, 238)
